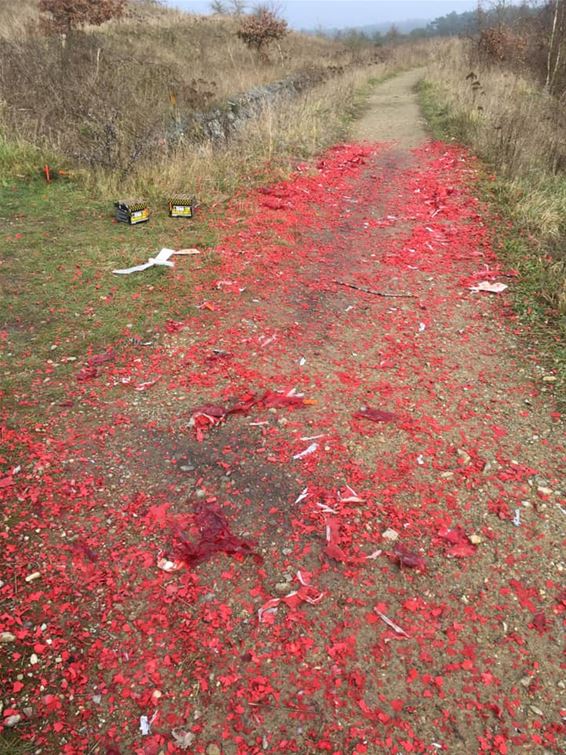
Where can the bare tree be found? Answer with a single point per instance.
(237, 7)
(218, 7)
(555, 42)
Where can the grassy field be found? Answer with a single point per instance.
(60, 299)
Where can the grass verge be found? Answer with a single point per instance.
(533, 211)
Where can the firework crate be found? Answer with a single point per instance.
(131, 211)
(181, 206)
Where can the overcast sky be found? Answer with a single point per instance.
(309, 14)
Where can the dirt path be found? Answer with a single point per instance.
(393, 114)
(314, 519)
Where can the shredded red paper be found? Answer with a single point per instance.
(206, 547)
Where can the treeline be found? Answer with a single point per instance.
(453, 24)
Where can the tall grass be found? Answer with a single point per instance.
(520, 130)
(108, 97)
(284, 132)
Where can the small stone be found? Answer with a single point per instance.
(544, 491)
(549, 379)
(213, 749)
(282, 588)
(535, 710)
(200, 493)
(287, 551)
(476, 539)
(526, 681)
(7, 637)
(390, 535)
(187, 468)
(464, 456)
(28, 712)
(33, 659)
(12, 721)
(447, 475)
(33, 577)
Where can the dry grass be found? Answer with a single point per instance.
(108, 97)
(520, 130)
(283, 133)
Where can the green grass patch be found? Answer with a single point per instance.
(532, 242)
(19, 160)
(59, 296)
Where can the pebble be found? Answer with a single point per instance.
(282, 588)
(390, 535)
(33, 577)
(544, 491)
(33, 659)
(187, 468)
(213, 750)
(476, 539)
(549, 379)
(536, 711)
(7, 637)
(11, 721)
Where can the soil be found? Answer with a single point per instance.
(420, 542)
(393, 114)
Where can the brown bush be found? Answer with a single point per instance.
(535, 43)
(261, 29)
(64, 16)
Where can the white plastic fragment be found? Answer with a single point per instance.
(167, 565)
(145, 727)
(326, 509)
(33, 577)
(517, 518)
(351, 497)
(302, 495)
(162, 258)
(310, 450)
(489, 287)
(395, 627)
(374, 555)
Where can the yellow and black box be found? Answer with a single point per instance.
(181, 206)
(131, 211)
